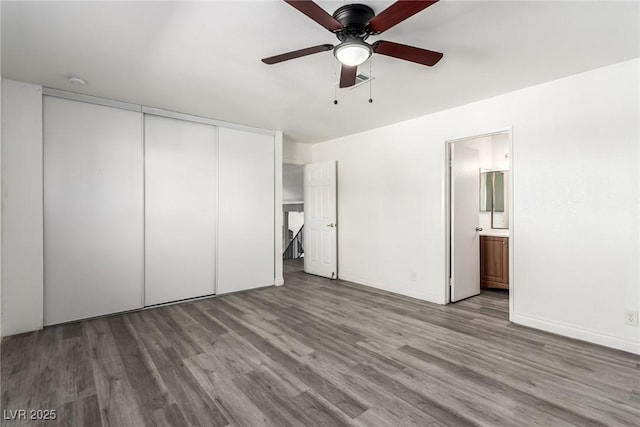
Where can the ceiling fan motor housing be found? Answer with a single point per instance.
(354, 19)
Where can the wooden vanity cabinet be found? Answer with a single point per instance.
(494, 262)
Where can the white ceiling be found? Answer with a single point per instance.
(203, 58)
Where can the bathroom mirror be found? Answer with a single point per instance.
(494, 197)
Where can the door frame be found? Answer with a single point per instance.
(447, 211)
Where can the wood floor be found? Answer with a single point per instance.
(319, 353)
(292, 265)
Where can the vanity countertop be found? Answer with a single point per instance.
(495, 233)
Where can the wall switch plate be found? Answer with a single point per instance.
(631, 317)
(412, 276)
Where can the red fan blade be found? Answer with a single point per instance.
(408, 53)
(348, 75)
(396, 13)
(315, 12)
(297, 54)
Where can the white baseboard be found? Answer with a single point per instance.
(396, 289)
(591, 336)
(20, 329)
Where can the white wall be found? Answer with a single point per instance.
(492, 150)
(575, 162)
(292, 183)
(484, 145)
(22, 247)
(296, 153)
(390, 208)
(500, 148)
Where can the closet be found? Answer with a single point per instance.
(145, 207)
(246, 210)
(93, 210)
(180, 209)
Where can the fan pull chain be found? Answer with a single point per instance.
(335, 83)
(370, 79)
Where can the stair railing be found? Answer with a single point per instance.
(295, 249)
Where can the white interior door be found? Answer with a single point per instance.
(465, 208)
(180, 209)
(246, 210)
(320, 225)
(93, 210)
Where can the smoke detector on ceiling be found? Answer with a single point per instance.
(77, 81)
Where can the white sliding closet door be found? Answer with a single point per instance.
(93, 210)
(180, 209)
(246, 210)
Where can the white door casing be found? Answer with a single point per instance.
(320, 220)
(465, 208)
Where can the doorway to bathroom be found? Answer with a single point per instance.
(479, 217)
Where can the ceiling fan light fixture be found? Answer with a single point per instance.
(352, 52)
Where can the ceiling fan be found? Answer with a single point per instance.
(353, 24)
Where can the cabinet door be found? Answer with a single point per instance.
(246, 210)
(494, 262)
(93, 210)
(180, 209)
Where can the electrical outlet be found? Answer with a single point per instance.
(631, 317)
(412, 277)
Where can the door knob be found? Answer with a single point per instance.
(331, 225)
(478, 228)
